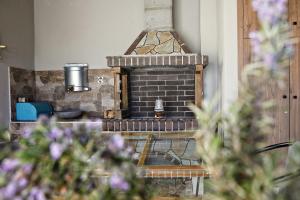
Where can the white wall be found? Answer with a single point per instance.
(197, 23)
(84, 30)
(187, 22)
(209, 27)
(200, 23)
(228, 51)
(90, 30)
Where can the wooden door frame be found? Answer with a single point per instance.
(240, 23)
(5, 94)
(242, 50)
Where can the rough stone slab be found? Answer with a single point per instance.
(159, 15)
(159, 19)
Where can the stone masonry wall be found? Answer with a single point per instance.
(175, 85)
(50, 87)
(22, 84)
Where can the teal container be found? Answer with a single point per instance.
(30, 111)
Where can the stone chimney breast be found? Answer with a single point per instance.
(158, 15)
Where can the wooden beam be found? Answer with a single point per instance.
(181, 43)
(165, 172)
(175, 171)
(174, 167)
(124, 91)
(116, 91)
(198, 85)
(164, 135)
(116, 70)
(117, 98)
(167, 198)
(176, 198)
(135, 43)
(145, 151)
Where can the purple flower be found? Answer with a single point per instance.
(127, 153)
(83, 139)
(37, 194)
(43, 119)
(94, 125)
(116, 143)
(68, 132)
(27, 133)
(55, 133)
(10, 190)
(118, 182)
(22, 183)
(264, 45)
(9, 164)
(270, 11)
(256, 41)
(56, 150)
(27, 168)
(289, 49)
(270, 60)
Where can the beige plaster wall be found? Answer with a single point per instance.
(17, 32)
(84, 30)
(90, 30)
(228, 47)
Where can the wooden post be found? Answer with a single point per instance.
(125, 91)
(117, 98)
(198, 85)
(145, 152)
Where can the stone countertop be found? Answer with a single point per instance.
(124, 125)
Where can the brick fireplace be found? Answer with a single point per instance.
(158, 64)
(178, 82)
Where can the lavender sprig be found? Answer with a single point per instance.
(269, 44)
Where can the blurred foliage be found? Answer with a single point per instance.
(290, 186)
(54, 162)
(227, 141)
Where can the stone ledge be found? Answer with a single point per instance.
(124, 125)
(156, 60)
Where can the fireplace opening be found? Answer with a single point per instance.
(175, 79)
(174, 85)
